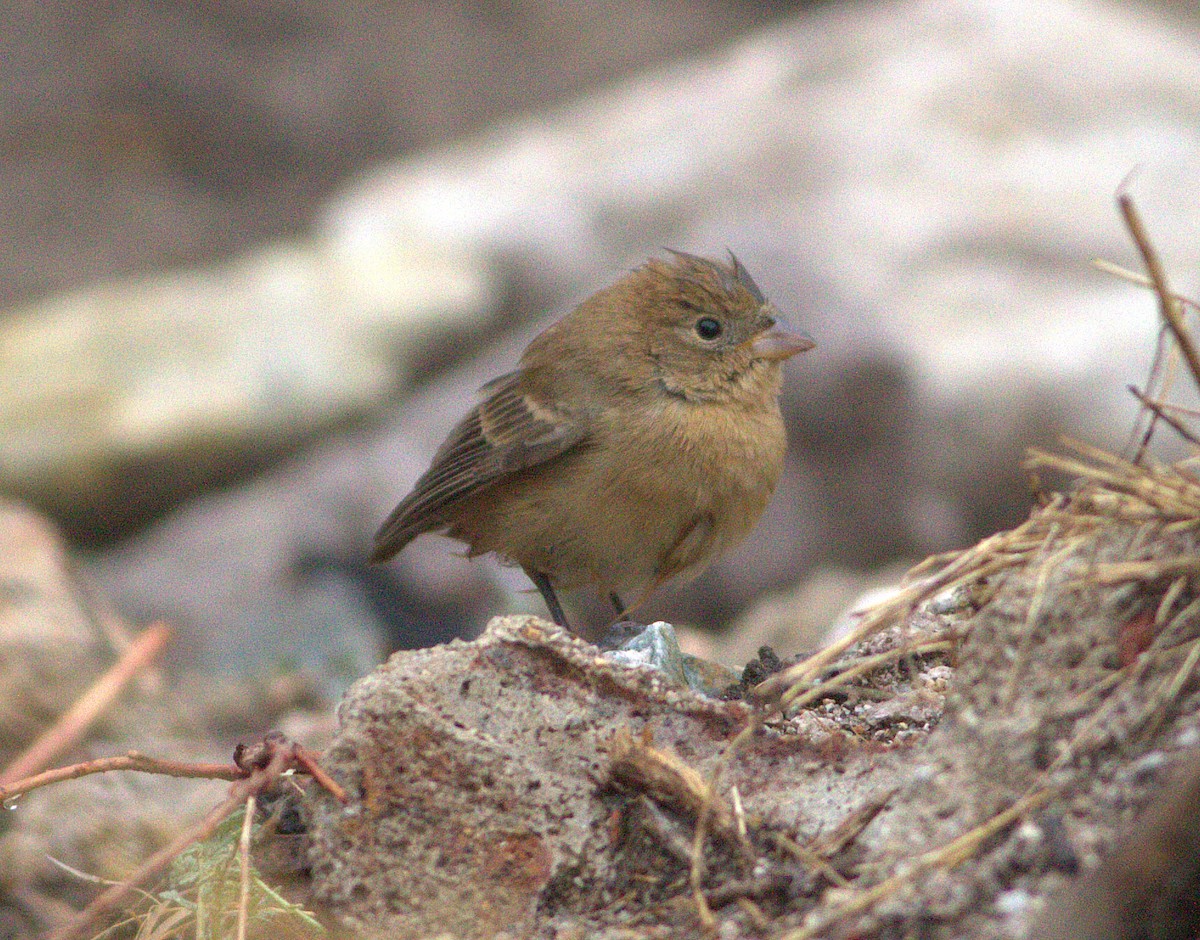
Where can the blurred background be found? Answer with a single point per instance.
(258, 257)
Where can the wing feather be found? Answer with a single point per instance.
(509, 431)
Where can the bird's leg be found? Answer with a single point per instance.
(546, 589)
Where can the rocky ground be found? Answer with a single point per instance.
(965, 772)
(1006, 747)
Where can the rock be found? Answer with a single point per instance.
(56, 636)
(478, 776)
(1147, 885)
(121, 398)
(954, 769)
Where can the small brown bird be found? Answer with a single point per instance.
(639, 438)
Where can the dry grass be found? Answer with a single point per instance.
(1104, 490)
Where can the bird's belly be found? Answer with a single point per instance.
(660, 512)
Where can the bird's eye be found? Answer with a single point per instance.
(708, 328)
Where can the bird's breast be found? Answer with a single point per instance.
(692, 460)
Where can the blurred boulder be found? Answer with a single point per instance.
(139, 135)
(56, 636)
(118, 400)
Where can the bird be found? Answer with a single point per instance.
(639, 438)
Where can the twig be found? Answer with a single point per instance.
(260, 778)
(244, 857)
(1176, 425)
(130, 761)
(1168, 303)
(71, 726)
(308, 763)
(116, 896)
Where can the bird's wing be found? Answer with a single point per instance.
(507, 432)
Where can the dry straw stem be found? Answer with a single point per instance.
(1168, 303)
(868, 664)
(243, 910)
(1117, 488)
(992, 555)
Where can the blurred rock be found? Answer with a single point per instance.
(118, 400)
(916, 183)
(55, 636)
(1147, 885)
(139, 135)
(274, 573)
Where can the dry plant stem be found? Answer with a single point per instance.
(850, 828)
(754, 912)
(131, 761)
(869, 664)
(1169, 599)
(308, 762)
(1169, 691)
(1168, 304)
(710, 811)
(739, 815)
(1134, 278)
(966, 567)
(666, 779)
(116, 896)
(809, 858)
(1164, 491)
(71, 727)
(1161, 412)
(243, 912)
(1118, 572)
(696, 877)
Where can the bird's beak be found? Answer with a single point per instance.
(777, 344)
